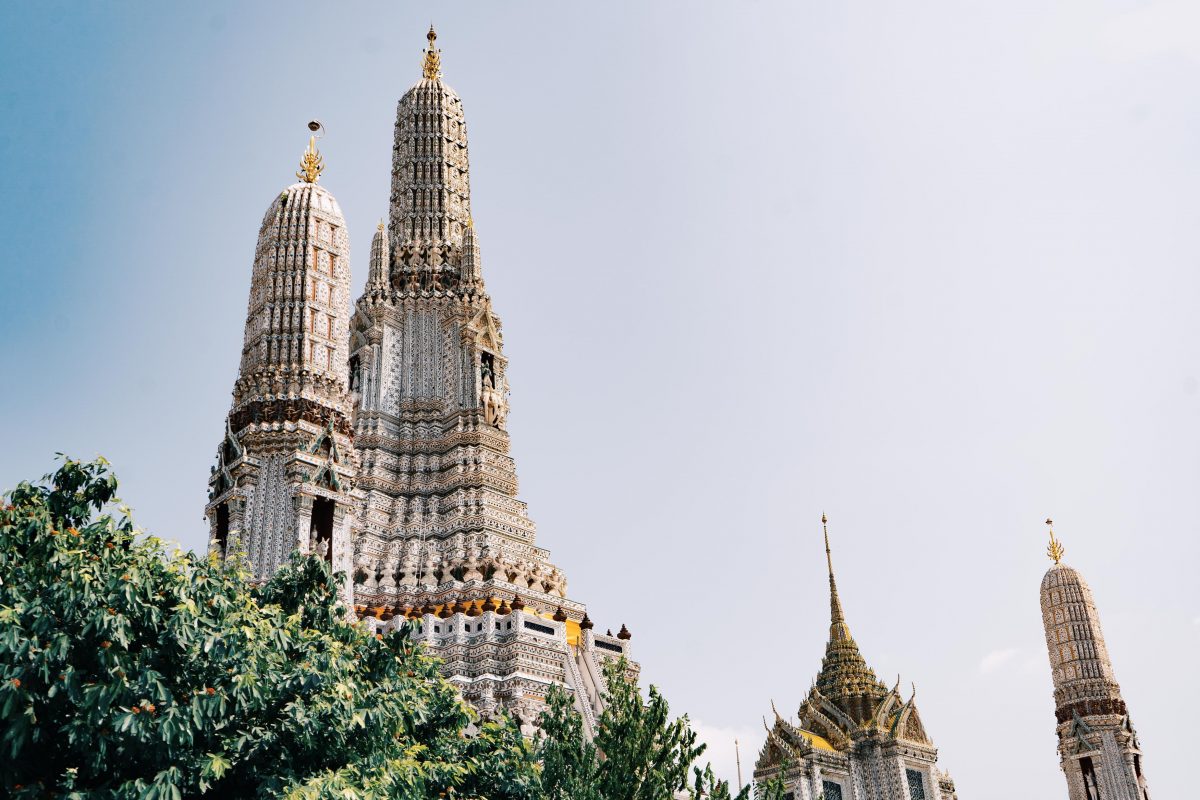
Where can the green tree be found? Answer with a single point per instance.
(639, 752)
(130, 672)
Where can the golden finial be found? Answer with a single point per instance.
(312, 164)
(835, 602)
(379, 227)
(828, 554)
(1055, 550)
(432, 68)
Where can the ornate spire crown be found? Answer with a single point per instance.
(845, 677)
(1056, 551)
(838, 629)
(312, 164)
(432, 66)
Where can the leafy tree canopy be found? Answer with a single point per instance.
(127, 671)
(639, 752)
(130, 672)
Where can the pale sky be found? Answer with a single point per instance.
(929, 267)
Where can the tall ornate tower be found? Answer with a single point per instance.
(441, 537)
(1097, 744)
(285, 468)
(855, 739)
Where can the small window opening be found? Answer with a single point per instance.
(916, 784)
(322, 529)
(1091, 787)
(222, 534)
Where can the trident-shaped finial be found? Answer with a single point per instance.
(432, 68)
(1055, 550)
(312, 163)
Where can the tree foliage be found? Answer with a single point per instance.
(639, 752)
(130, 672)
(127, 671)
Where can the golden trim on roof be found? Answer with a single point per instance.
(818, 742)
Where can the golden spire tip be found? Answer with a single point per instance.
(1056, 551)
(312, 164)
(835, 602)
(828, 554)
(432, 66)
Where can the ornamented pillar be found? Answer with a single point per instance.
(1098, 747)
(432, 403)
(286, 466)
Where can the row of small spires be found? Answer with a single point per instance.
(472, 608)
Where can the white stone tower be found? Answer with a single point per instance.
(854, 739)
(1097, 744)
(441, 537)
(285, 469)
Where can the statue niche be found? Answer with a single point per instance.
(491, 393)
(320, 532)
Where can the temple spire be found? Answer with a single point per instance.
(845, 677)
(838, 630)
(431, 196)
(1098, 748)
(432, 66)
(379, 274)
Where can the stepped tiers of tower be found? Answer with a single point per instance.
(285, 463)
(375, 436)
(854, 738)
(1097, 745)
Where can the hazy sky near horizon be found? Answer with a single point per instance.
(929, 267)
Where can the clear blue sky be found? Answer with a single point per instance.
(931, 268)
